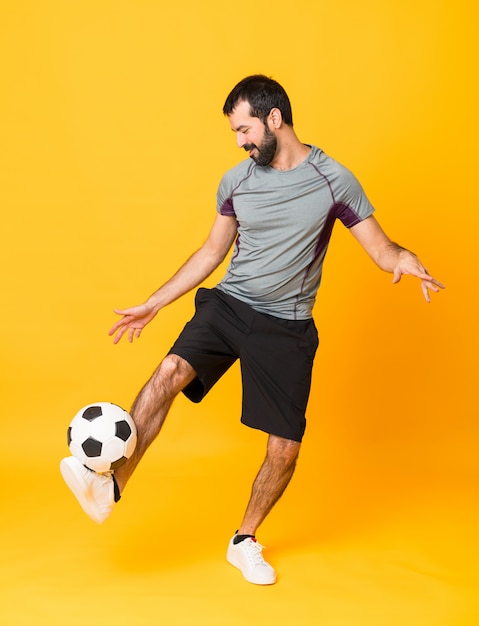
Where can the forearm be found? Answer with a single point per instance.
(388, 255)
(194, 271)
(198, 267)
(385, 253)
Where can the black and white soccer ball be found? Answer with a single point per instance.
(102, 436)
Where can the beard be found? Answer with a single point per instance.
(267, 150)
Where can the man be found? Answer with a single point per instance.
(278, 208)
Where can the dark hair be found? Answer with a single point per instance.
(262, 94)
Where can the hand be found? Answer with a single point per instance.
(410, 264)
(133, 321)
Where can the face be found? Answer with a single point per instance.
(252, 135)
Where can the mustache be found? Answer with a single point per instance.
(249, 146)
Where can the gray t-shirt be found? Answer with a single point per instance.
(285, 220)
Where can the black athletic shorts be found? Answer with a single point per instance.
(276, 358)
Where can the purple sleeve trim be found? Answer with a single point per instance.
(346, 214)
(227, 208)
(339, 211)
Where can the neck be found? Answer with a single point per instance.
(290, 154)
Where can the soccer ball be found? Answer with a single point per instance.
(102, 436)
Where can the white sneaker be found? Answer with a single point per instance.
(94, 492)
(246, 556)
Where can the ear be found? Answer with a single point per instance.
(275, 119)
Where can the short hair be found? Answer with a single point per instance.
(262, 94)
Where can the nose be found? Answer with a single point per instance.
(240, 140)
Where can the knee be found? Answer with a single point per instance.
(170, 366)
(174, 371)
(283, 451)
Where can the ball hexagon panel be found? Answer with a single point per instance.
(92, 447)
(92, 412)
(123, 430)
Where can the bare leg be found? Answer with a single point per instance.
(151, 408)
(271, 481)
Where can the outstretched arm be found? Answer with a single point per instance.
(198, 267)
(391, 257)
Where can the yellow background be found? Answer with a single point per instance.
(112, 146)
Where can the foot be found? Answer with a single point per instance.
(94, 492)
(247, 557)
